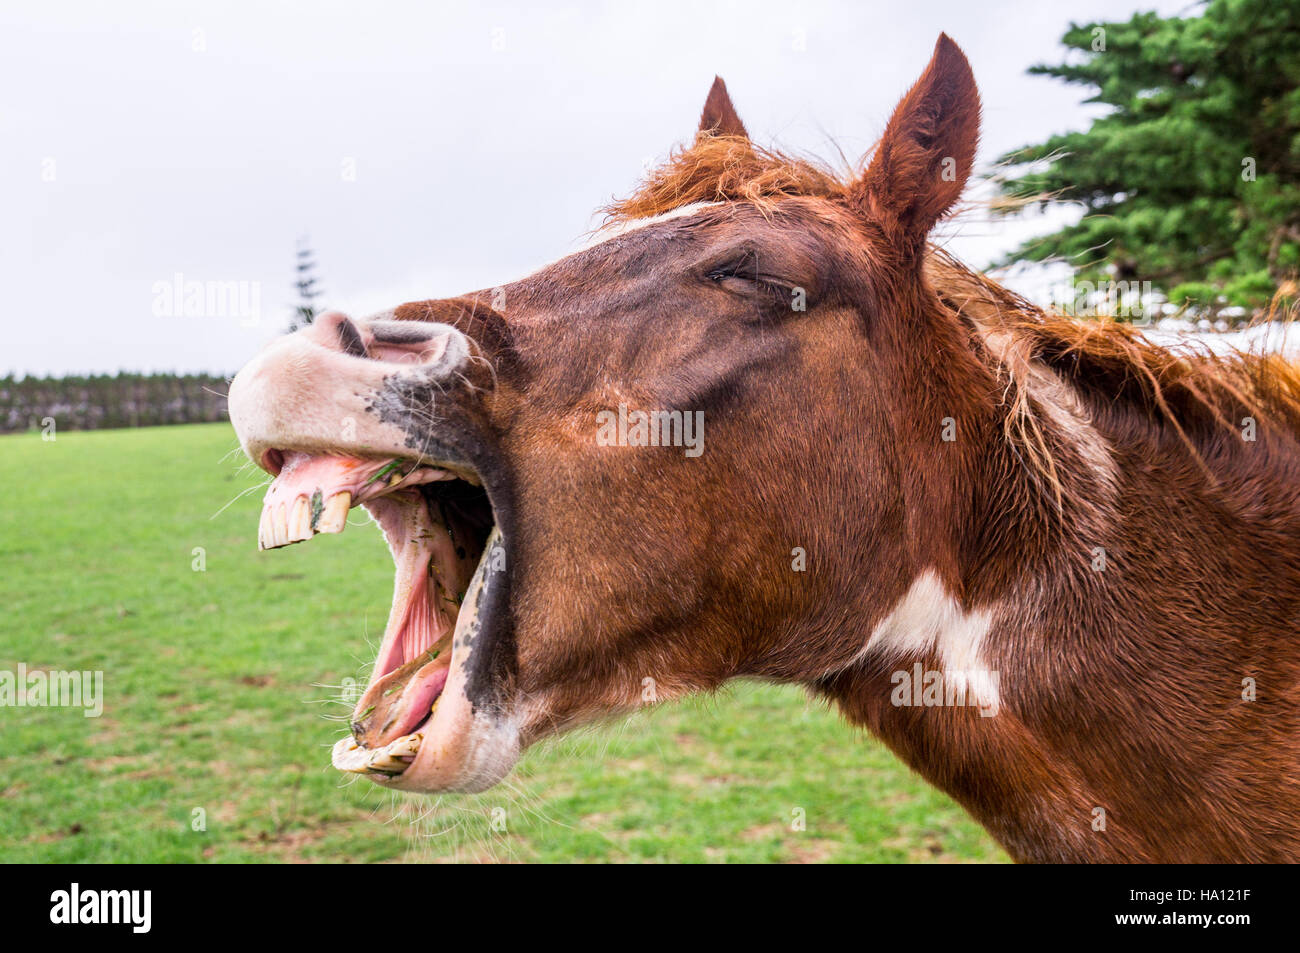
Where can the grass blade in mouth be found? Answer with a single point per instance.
(387, 469)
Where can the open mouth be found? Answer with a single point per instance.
(441, 530)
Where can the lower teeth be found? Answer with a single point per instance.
(350, 756)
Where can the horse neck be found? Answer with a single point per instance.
(1050, 580)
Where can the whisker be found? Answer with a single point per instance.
(239, 497)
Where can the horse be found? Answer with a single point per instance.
(761, 427)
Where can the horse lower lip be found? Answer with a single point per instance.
(391, 758)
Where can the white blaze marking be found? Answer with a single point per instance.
(618, 229)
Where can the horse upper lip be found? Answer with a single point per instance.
(312, 493)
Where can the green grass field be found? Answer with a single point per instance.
(220, 693)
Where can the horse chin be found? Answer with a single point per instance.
(458, 745)
(418, 726)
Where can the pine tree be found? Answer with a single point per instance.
(305, 312)
(1191, 180)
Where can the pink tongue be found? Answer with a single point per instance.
(396, 704)
(425, 691)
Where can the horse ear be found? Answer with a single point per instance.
(924, 158)
(719, 116)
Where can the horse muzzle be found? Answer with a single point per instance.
(379, 414)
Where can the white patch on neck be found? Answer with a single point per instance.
(928, 619)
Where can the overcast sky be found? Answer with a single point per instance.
(427, 149)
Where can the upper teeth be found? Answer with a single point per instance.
(291, 522)
(335, 515)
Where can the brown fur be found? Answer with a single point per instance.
(1122, 689)
(730, 168)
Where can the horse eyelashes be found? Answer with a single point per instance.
(732, 271)
(742, 274)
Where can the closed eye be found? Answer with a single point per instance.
(744, 268)
(743, 277)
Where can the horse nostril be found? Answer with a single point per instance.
(350, 338)
(334, 329)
